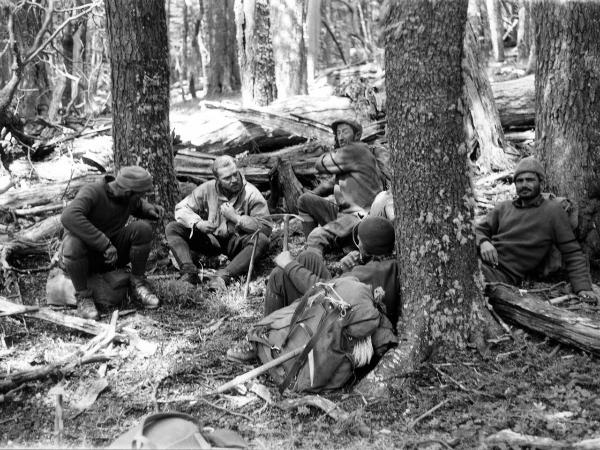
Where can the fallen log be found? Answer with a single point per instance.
(531, 312)
(514, 440)
(43, 194)
(515, 100)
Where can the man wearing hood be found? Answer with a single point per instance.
(356, 180)
(518, 234)
(221, 216)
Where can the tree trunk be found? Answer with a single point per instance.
(441, 300)
(313, 31)
(288, 17)
(94, 62)
(139, 57)
(494, 9)
(255, 51)
(78, 84)
(478, 17)
(568, 106)
(485, 136)
(524, 33)
(218, 33)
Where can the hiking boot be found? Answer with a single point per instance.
(190, 277)
(217, 283)
(142, 291)
(242, 352)
(86, 308)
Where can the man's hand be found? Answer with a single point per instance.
(229, 212)
(156, 212)
(350, 260)
(591, 295)
(489, 253)
(283, 259)
(110, 255)
(205, 226)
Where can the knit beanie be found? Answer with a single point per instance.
(376, 235)
(134, 178)
(529, 164)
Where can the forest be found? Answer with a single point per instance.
(450, 95)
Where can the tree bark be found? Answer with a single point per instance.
(139, 57)
(485, 136)
(524, 33)
(313, 31)
(289, 54)
(478, 17)
(568, 106)
(441, 299)
(255, 51)
(218, 33)
(494, 9)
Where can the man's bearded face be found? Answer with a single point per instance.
(344, 134)
(229, 178)
(528, 185)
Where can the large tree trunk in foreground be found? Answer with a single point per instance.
(255, 51)
(287, 20)
(139, 57)
(441, 301)
(568, 107)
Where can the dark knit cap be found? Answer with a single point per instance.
(529, 164)
(134, 178)
(376, 235)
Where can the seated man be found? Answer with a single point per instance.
(357, 180)
(220, 216)
(517, 235)
(373, 264)
(97, 237)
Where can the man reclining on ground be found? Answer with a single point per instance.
(373, 264)
(518, 234)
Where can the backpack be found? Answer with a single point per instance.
(333, 321)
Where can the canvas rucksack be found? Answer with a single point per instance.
(333, 321)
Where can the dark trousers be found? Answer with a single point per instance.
(334, 227)
(281, 289)
(497, 275)
(133, 244)
(238, 248)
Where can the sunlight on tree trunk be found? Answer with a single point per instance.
(442, 299)
(139, 58)
(313, 28)
(568, 106)
(494, 9)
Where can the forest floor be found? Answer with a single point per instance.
(526, 383)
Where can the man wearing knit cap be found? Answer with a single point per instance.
(518, 234)
(98, 238)
(226, 215)
(373, 264)
(356, 180)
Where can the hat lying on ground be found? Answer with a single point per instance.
(530, 164)
(134, 178)
(376, 235)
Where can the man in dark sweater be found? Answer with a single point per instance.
(372, 264)
(355, 183)
(517, 235)
(97, 236)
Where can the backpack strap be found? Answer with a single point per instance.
(324, 323)
(298, 312)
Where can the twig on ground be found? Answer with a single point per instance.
(225, 410)
(458, 384)
(412, 424)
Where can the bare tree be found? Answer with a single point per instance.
(441, 289)
(494, 9)
(568, 106)
(139, 59)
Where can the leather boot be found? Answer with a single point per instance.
(142, 291)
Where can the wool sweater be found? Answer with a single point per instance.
(95, 215)
(524, 235)
(204, 203)
(378, 273)
(357, 176)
